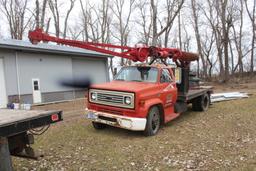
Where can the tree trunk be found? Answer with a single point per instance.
(154, 23)
(198, 38)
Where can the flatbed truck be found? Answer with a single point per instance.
(141, 97)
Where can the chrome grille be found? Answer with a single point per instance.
(112, 98)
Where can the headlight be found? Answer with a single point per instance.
(127, 100)
(93, 96)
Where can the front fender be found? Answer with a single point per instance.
(149, 103)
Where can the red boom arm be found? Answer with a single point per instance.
(132, 53)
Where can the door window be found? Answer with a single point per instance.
(36, 85)
(165, 76)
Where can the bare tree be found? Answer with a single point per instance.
(173, 9)
(187, 38)
(123, 21)
(85, 19)
(144, 22)
(15, 12)
(40, 14)
(238, 39)
(54, 7)
(96, 21)
(226, 22)
(252, 16)
(75, 32)
(220, 17)
(195, 14)
(207, 46)
(213, 21)
(53, 4)
(72, 3)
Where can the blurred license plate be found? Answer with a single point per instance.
(91, 115)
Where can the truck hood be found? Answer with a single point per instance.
(128, 86)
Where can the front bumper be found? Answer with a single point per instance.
(130, 123)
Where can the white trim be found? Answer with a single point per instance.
(3, 90)
(17, 74)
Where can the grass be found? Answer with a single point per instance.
(223, 138)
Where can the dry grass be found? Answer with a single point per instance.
(223, 138)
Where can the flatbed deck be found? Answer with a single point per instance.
(193, 93)
(16, 121)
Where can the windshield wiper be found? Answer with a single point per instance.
(119, 79)
(137, 80)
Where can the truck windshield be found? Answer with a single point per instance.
(139, 74)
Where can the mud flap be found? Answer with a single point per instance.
(180, 107)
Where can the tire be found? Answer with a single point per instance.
(201, 103)
(99, 126)
(153, 121)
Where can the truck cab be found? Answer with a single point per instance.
(140, 98)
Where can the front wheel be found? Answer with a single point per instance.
(97, 125)
(153, 122)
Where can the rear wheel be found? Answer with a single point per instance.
(153, 121)
(97, 125)
(201, 103)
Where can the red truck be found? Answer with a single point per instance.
(141, 97)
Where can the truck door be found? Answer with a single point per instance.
(169, 91)
(169, 95)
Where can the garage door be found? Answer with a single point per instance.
(95, 70)
(3, 97)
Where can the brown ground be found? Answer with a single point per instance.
(223, 138)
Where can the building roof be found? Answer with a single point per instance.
(48, 48)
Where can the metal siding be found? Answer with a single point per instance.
(50, 97)
(95, 70)
(48, 68)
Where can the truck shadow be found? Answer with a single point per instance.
(119, 132)
(185, 116)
